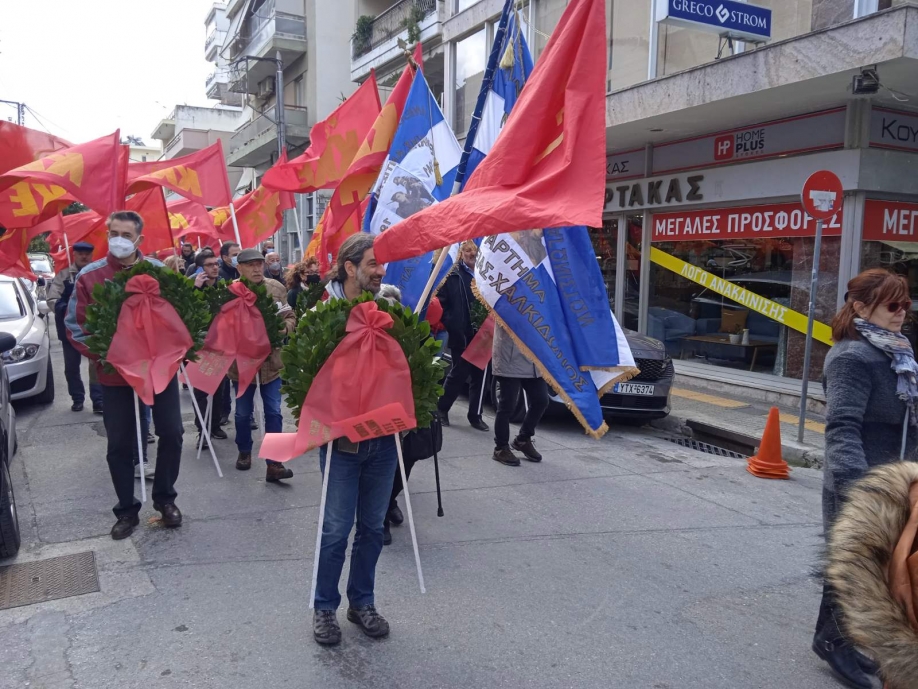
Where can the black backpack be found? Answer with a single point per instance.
(422, 443)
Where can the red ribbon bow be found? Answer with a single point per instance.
(237, 333)
(150, 340)
(362, 391)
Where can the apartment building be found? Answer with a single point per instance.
(716, 113)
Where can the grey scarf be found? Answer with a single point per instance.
(899, 349)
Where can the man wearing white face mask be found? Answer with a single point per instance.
(124, 239)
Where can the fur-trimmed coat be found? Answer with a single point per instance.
(860, 548)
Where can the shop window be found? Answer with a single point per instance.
(605, 244)
(696, 322)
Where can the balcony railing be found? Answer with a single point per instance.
(266, 23)
(294, 115)
(391, 23)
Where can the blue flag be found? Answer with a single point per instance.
(419, 171)
(544, 286)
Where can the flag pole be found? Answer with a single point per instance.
(235, 224)
(205, 431)
(486, 84)
(143, 478)
(67, 249)
(414, 536)
(315, 562)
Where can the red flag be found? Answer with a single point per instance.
(191, 222)
(547, 167)
(382, 404)
(13, 260)
(150, 339)
(237, 334)
(260, 214)
(478, 353)
(157, 233)
(333, 144)
(88, 173)
(345, 214)
(21, 145)
(200, 177)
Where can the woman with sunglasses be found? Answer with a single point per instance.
(299, 277)
(871, 384)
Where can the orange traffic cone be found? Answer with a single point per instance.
(768, 463)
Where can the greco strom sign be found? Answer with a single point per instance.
(771, 221)
(737, 19)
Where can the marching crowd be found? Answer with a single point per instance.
(364, 486)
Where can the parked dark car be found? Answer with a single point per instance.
(641, 400)
(9, 521)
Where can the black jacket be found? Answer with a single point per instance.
(456, 298)
(227, 272)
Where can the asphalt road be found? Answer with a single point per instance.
(625, 562)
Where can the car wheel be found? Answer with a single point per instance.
(9, 520)
(46, 396)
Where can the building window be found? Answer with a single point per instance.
(629, 42)
(471, 56)
(462, 5)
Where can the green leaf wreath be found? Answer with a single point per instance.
(479, 312)
(109, 296)
(320, 331)
(309, 297)
(219, 294)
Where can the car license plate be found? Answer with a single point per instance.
(632, 389)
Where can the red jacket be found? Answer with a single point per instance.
(95, 273)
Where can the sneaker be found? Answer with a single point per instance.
(505, 456)
(525, 446)
(76, 406)
(395, 515)
(325, 627)
(125, 526)
(371, 622)
(148, 470)
(218, 434)
(386, 534)
(276, 472)
(244, 461)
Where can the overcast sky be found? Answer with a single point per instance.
(88, 67)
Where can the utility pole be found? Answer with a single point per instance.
(282, 242)
(20, 110)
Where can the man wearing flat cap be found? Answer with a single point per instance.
(58, 298)
(251, 266)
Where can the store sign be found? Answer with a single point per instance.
(890, 221)
(781, 220)
(894, 129)
(803, 134)
(625, 165)
(723, 17)
(751, 300)
(656, 192)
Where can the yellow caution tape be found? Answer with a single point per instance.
(751, 300)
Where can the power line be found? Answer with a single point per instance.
(44, 126)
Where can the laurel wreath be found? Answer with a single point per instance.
(321, 330)
(309, 297)
(109, 296)
(219, 294)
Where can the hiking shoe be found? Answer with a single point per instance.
(371, 622)
(525, 446)
(124, 527)
(395, 515)
(244, 461)
(325, 627)
(218, 434)
(505, 456)
(172, 516)
(148, 470)
(276, 472)
(76, 406)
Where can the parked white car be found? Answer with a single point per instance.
(28, 364)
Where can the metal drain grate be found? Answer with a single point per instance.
(59, 577)
(707, 448)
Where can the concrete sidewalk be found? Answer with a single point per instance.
(623, 562)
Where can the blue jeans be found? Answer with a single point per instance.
(245, 407)
(358, 483)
